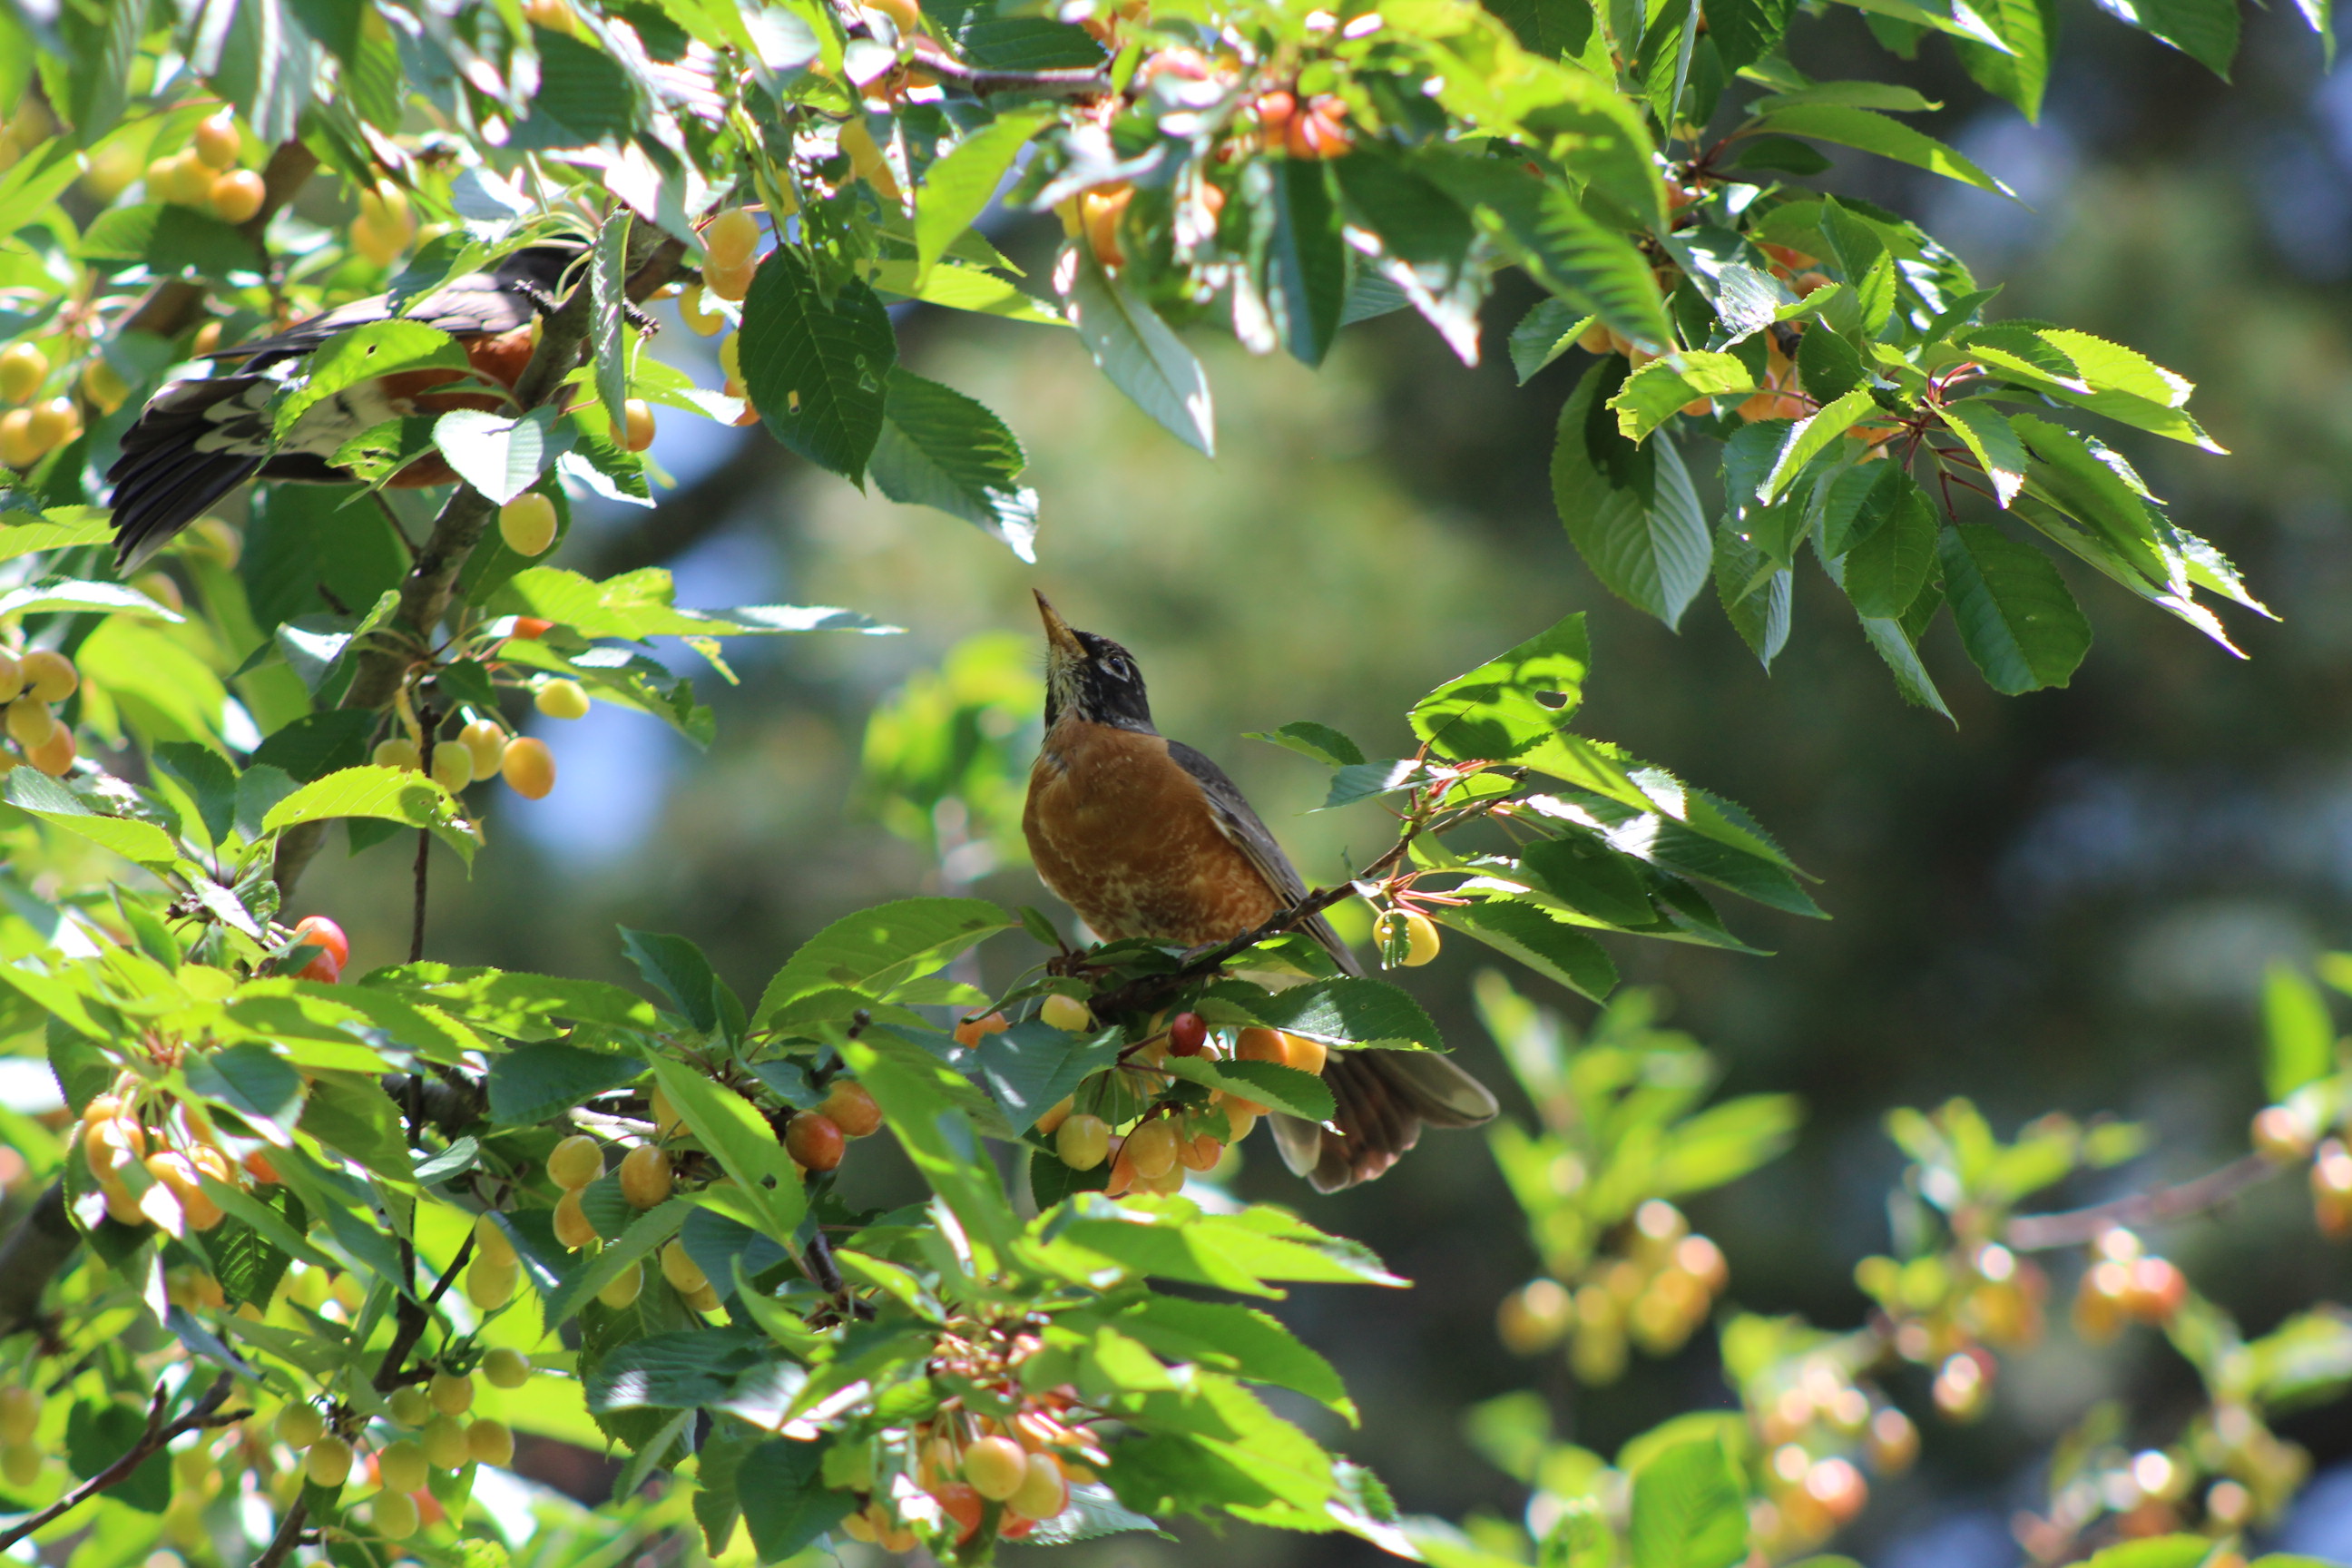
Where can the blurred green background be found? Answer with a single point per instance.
(2066, 903)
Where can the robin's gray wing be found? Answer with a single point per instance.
(1241, 824)
(478, 303)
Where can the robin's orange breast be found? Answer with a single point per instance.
(1122, 834)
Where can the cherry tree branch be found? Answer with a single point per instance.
(2075, 1228)
(158, 1435)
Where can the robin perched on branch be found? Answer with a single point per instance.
(197, 440)
(1144, 836)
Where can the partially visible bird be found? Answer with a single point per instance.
(1144, 836)
(197, 440)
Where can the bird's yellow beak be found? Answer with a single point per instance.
(1059, 638)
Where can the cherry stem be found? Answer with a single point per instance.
(2075, 1227)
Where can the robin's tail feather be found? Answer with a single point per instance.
(1385, 1099)
(195, 442)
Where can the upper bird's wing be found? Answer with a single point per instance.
(478, 303)
(1241, 825)
(196, 441)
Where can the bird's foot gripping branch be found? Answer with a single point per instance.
(412, 1213)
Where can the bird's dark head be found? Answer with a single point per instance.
(1091, 678)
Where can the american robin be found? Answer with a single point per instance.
(197, 440)
(1144, 836)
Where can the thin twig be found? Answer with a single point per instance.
(2075, 1227)
(158, 1435)
(290, 1532)
(412, 1316)
(416, 924)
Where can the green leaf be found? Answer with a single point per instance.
(38, 179)
(918, 1096)
(742, 1142)
(1319, 741)
(1540, 226)
(1590, 877)
(1510, 702)
(676, 967)
(541, 1079)
(1270, 1084)
(880, 948)
(2204, 30)
(1724, 1142)
(2155, 1552)
(352, 1116)
(1810, 436)
(362, 353)
(954, 288)
(644, 1235)
(27, 789)
(785, 1504)
(501, 458)
(391, 794)
(2029, 28)
(2016, 619)
(2300, 1034)
(1242, 1341)
(1430, 252)
(1658, 390)
(1530, 933)
(816, 370)
(1630, 510)
(957, 189)
(1549, 330)
(608, 298)
(1689, 1510)
(1745, 31)
(55, 595)
(1872, 131)
(251, 1080)
(1307, 261)
(1134, 348)
(940, 448)
(1029, 1068)
(517, 1004)
(1755, 591)
(1888, 567)
(1994, 445)
(1346, 1011)
(1828, 365)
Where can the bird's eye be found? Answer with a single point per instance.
(1116, 668)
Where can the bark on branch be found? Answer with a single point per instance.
(2077, 1227)
(158, 1435)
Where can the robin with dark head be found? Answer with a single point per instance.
(1145, 838)
(197, 440)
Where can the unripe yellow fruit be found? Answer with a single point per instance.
(444, 1442)
(1065, 1013)
(50, 675)
(576, 1162)
(1306, 1055)
(489, 1286)
(190, 181)
(685, 1275)
(402, 1467)
(237, 195)
(453, 765)
(18, 450)
(1417, 931)
(528, 524)
(20, 1413)
(572, 1225)
(451, 1394)
(490, 1443)
(376, 243)
(731, 237)
(562, 699)
(399, 751)
(104, 385)
(699, 319)
(218, 144)
(646, 1177)
(1083, 1142)
(623, 1288)
(20, 1464)
(329, 1463)
(528, 767)
(1153, 1148)
(731, 356)
(56, 422)
(728, 283)
(23, 368)
(394, 1515)
(995, 1467)
(506, 1367)
(486, 742)
(636, 432)
(491, 1243)
(409, 1405)
(1044, 1490)
(298, 1426)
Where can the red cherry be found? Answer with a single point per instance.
(322, 969)
(813, 1140)
(1188, 1035)
(326, 935)
(531, 628)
